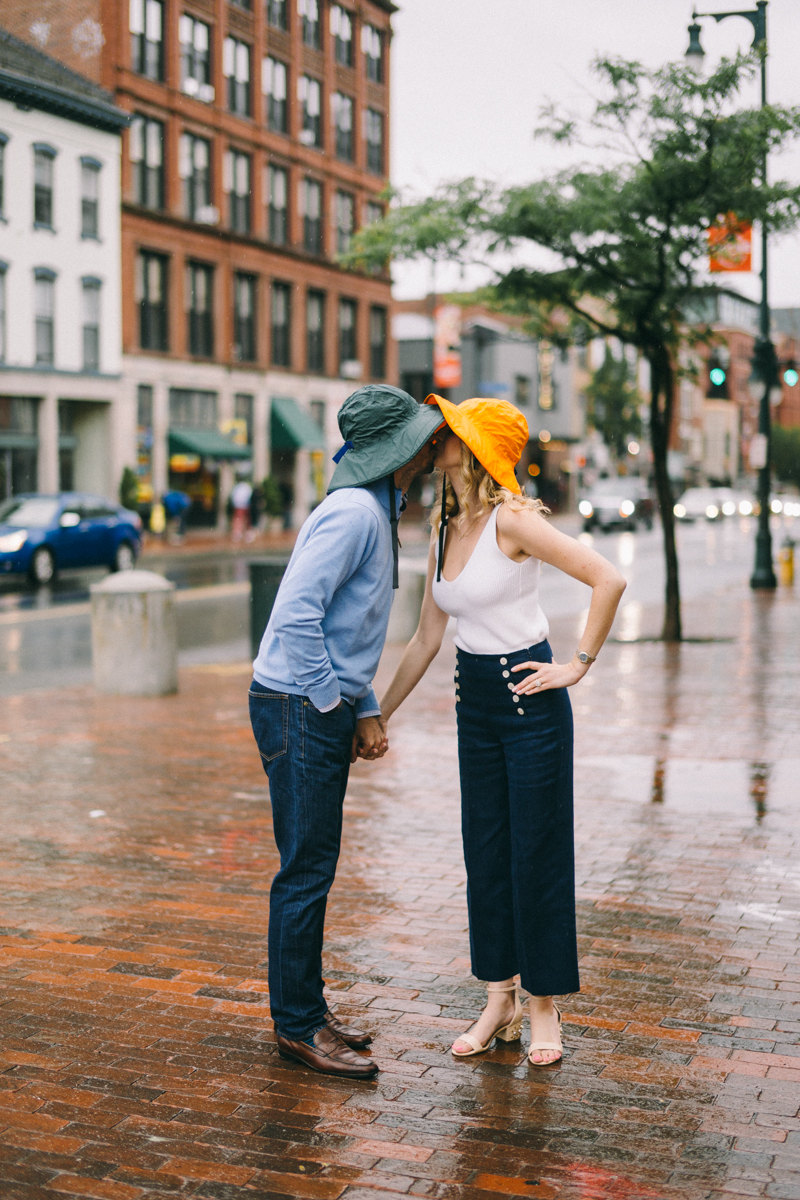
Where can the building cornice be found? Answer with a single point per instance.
(29, 93)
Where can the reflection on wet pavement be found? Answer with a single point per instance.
(139, 1058)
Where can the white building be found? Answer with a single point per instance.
(64, 422)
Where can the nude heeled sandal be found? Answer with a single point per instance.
(506, 1033)
(535, 1046)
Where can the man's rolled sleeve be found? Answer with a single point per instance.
(367, 706)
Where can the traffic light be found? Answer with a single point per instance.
(790, 375)
(718, 374)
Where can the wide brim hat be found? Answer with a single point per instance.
(383, 429)
(495, 431)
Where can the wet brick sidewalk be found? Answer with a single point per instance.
(137, 1054)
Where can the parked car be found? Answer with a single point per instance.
(41, 534)
(711, 503)
(620, 503)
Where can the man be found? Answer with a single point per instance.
(312, 705)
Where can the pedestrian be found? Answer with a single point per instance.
(312, 706)
(176, 510)
(513, 713)
(241, 495)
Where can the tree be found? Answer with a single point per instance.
(627, 235)
(614, 404)
(129, 488)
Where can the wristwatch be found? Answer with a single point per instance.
(583, 657)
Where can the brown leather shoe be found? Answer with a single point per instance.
(329, 1055)
(356, 1039)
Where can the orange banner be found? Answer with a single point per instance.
(730, 244)
(447, 346)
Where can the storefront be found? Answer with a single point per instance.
(199, 460)
(19, 445)
(297, 456)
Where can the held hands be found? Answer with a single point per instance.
(370, 740)
(549, 675)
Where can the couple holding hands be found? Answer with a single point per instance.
(313, 709)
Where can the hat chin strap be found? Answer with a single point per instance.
(393, 521)
(442, 529)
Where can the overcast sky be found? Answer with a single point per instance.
(469, 77)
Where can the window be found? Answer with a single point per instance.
(344, 221)
(317, 410)
(3, 140)
(273, 86)
(191, 409)
(281, 324)
(372, 46)
(146, 148)
(43, 159)
(373, 136)
(18, 414)
(311, 212)
(151, 296)
(195, 43)
(3, 270)
(342, 112)
(90, 198)
(44, 289)
(373, 212)
(245, 4)
(144, 438)
(277, 195)
(315, 331)
(194, 160)
(236, 69)
(347, 334)
(243, 411)
(199, 296)
(309, 23)
(522, 389)
(146, 23)
(377, 342)
(342, 34)
(244, 317)
(238, 186)
(309, 94)
(91, 324)
(277, 16)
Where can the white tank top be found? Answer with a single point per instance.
(494, 600)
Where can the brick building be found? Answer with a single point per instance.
(258, 145)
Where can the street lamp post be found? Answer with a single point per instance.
(764, 358)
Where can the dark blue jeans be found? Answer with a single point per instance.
(515, 761)
(306, 755)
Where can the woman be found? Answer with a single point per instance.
(514, 716)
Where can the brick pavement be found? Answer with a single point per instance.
(137, 1055)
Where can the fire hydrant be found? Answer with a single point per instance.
(786, 562)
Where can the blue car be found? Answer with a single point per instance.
(41, 534)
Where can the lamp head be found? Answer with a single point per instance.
(694, 53)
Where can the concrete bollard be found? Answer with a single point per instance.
(134, 635)
(407, 603)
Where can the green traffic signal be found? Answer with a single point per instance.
(717, 376)
(790, 377)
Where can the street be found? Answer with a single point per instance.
(45, 637)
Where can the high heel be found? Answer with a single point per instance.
(506, 1033)
(547, 1046)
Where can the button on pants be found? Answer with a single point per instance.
(306, 755)
(516, 797)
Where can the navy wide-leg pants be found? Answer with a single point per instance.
(515, 761)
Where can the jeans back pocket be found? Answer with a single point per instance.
(269, 716)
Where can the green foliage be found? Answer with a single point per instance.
(129, 488)
(614, 404)
(273, 500)
(785, 453)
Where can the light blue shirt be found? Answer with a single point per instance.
(328, 626)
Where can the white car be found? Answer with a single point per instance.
(699, 502)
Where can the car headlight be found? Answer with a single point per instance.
(776, 506)
(627, 508)
(745, 508)
(712, 511)
(679, 510)
(11, 542)
(728, 508)
(585, 508)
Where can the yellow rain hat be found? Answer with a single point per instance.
(495, 431)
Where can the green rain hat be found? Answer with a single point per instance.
(383, 428)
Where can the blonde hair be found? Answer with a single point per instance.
(480, 488)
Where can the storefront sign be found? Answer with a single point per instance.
(447, 346)
(184, 463)
(730, 244)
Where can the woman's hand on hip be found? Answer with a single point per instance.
(547, 676)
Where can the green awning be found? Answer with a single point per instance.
(291, 428)
(207, 443)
